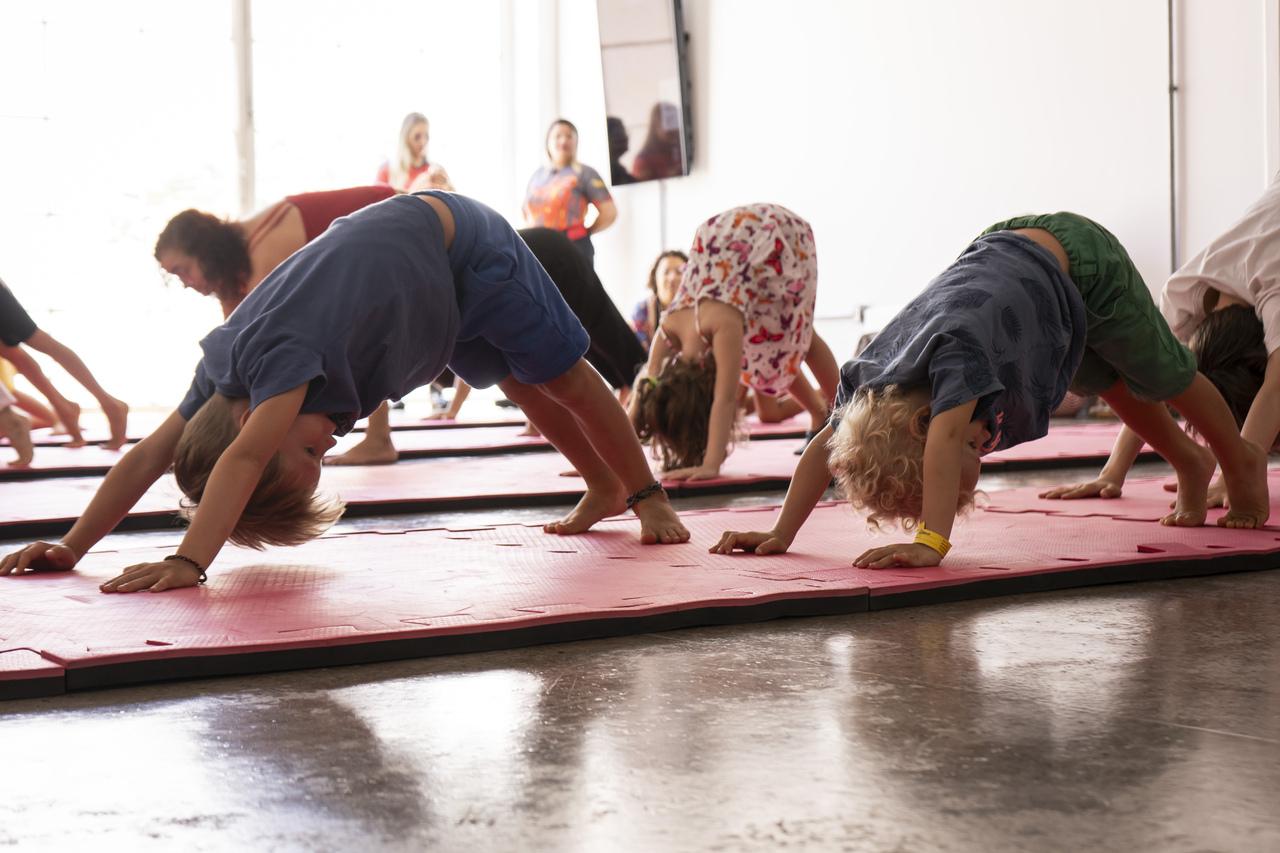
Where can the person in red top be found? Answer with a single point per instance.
(228, 258)
(409, 170)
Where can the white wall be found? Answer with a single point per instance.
(1223, 120)
(902, 129)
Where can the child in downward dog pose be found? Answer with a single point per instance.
(1225, 303)
(743, 315)
(368, 311)
(980, 359)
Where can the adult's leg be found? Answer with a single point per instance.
(376, 448)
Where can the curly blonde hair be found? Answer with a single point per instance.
(877, 457)
(279, 512)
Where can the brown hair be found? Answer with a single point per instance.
(655, 305)
(1232, 354)
(877, 457)
(278, 511)
(673, 411)
(219, 246)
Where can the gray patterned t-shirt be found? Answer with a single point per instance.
(1003, 325)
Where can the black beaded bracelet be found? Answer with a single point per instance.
(635, 497)
(192, 563)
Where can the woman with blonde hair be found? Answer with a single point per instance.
(409, 170)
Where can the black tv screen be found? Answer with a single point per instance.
(646, 88)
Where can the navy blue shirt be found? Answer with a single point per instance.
(364, 313)
(1003, 325)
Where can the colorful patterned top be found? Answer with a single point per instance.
(760, 260)
(558, 198)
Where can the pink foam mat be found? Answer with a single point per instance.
(369, 596)
(48, 507)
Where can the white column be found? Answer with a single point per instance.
(242, 44)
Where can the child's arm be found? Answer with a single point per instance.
(808, 485)
(125, 483)
(460, 392)
(659, 351)
(1110, 480)
(234, 477)
(943, 446)
(726, 345)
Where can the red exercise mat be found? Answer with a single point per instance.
(371, 596)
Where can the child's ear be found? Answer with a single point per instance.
(244, 417)
(918, 425)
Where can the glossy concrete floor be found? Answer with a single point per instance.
(1134, 717)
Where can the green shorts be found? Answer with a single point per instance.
(1127, 338)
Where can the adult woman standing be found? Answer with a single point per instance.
(228, 258)
(409, 170)
(559, 193)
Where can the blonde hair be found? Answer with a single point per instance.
(279, 512)
(399, 166)
(877, 457)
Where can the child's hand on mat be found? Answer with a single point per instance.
(911, 555)
(697, 472)
(752, 542)
(1098, 488)
(39, 557)
(156, 577)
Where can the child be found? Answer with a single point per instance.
(17, 328)
(16, 428)
(979, 360)
(613, 351)
(743, 314)
(664, 281)
(372, 309)
(1225, 303)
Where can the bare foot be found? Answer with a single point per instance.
(17, 429)
(1190, 509)
(117, 413)
(594, 506)
(1247, 496)
(69, 418)
(529, 430)
(367, 452)
(659, 522)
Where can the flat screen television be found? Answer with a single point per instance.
(646, 89)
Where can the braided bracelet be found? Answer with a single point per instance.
(648, 491)
(190, 562)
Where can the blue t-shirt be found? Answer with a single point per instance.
(1003, 325)
(364, 313)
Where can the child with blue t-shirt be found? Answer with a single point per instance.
(375, 307)
(979, 361)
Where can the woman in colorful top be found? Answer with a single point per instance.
(559, 193)
(409, 170)
(743, 316)
(228, 258)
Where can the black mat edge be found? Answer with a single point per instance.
(1154, 570)
(33, 688)
(248, 663)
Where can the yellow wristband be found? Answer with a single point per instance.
(930, 539)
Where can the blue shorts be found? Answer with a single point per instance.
(514, 322)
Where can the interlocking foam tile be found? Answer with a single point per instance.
(364, 597)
